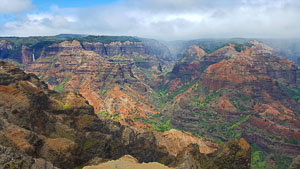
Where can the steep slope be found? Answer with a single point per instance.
(62, 128)
(40, 128)
(237, 91)
(234, 154)
(107, 82)
(217, 93)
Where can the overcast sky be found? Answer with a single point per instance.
(160, 19)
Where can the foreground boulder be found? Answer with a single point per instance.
(11, 159)
(127, 162)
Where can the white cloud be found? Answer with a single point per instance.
(14, 6)
(168, 19)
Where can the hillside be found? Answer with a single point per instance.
(216, 92)
(40, 128)
(237, 91)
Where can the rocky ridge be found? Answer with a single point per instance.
(110, 86)
(232, 92)
(62, 128)
(237, 91)
(40, 128)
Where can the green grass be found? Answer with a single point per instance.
(89, 143)
(104, 114)
(209, 98)
(292, 141)
(180, 90)
(258, 156)
(293, 92)
(51, 80)
(60, 88)
(282, 162)
(82, 62)
(157, 121)
(196, 88)
(103, 92)
(238, 106)
(63, 105)
(107, 115)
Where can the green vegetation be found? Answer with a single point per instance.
(238, 106)
(258, 156)
(104, 114)
(196, 88)
(293, 92)
(147, 72)
(12, 165)
(63, 105)
(103, 92)
(60, 88)
(238, 47)
(51, 80)
(82, 62)
(209, 98)
(282, 162)
(41, 41)
(219, 142)
(139, 59)
(89, 143)
(60, 132)
(129, 121)
(106, 39)
(180, 90)
(107, 115)
(292, 141)
(244, 120)
(157, 121)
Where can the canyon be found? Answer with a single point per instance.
(210, 95)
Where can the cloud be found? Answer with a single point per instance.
(14, 6)
(168, 19)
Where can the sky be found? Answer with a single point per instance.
(159, 19)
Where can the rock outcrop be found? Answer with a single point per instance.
(175, 141)
(11, 159)
(46, 129)
(62, 128)
(127, 162)
(110, 85)
(5, 48)
(234, 154)
(237, 91)
(27, 55)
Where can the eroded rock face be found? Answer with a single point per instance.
(62, 128)
(11, 159)
(127, 49)
(234, 154)
(27, 55)
(175, 141)
(107, 82)
(5, 48)
(237, 91)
